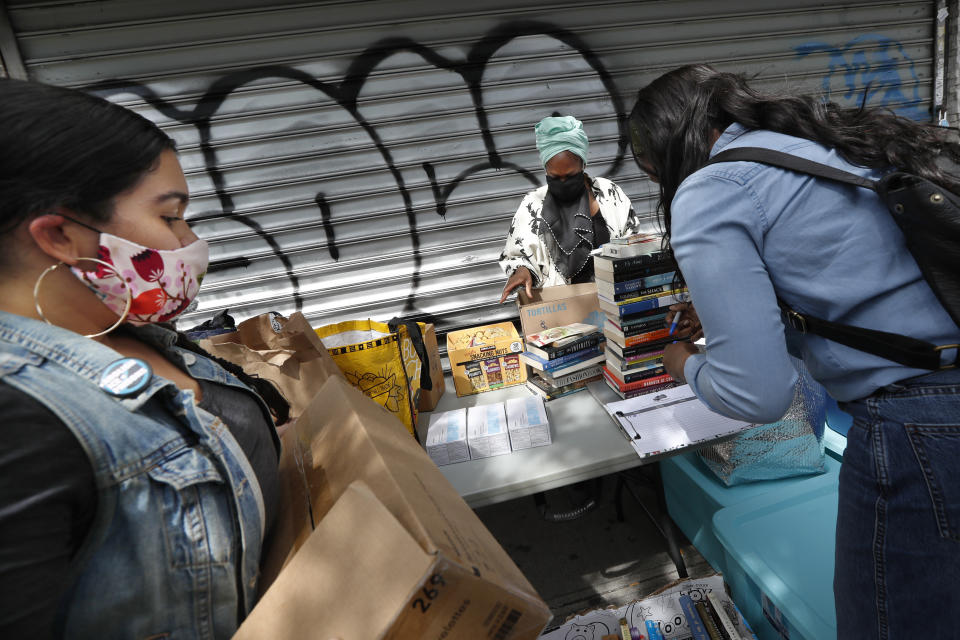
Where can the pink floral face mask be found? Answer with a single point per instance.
(162, 282)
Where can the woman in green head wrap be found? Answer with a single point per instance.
(558, 225)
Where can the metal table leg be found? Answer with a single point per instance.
(663, 523)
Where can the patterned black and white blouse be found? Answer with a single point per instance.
(528, 247)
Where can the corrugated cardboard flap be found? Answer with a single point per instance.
(361, 440)
(548, 294)
(375, 562)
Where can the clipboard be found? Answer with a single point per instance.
(665, 421)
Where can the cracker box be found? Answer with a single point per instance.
(485, 358)
(446, 441)
(487, 433)
(527, 422)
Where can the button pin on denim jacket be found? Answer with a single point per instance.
(126, 377)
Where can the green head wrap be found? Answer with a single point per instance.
(556, 134)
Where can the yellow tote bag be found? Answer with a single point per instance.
(388, 362)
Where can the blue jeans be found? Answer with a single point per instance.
(898, 526)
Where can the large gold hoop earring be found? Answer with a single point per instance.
(52, 268)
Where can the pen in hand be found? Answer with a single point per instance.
(676, 319)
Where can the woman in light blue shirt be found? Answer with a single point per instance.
(744, 234)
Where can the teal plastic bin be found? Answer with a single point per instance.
(780, 558)
(694, 494)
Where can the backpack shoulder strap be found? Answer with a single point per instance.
(904, 350)
(910, 352)
(793, 163)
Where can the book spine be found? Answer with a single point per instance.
(693, 620)
(639, 325)
(574, 367)
(646, 316)
(605, 265)
(638, 297)
(626, 395)
(571, 358)
(634, 367)
(649, 336)
(580, 384)
(621, 297)
(642, 350)
(623, 265)
(645, 305)
(537, 362)
(637, 376)
(535, 388)
(646, 383)
(584, 343)
(552, 393)
(639, 385)
(576, 376)
(634, 360)
(635, 284)
(725, 622)
(616, 340)
(616, 250)
(712, 630)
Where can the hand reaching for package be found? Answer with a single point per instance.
(521, 278)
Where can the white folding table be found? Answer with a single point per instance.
(586, 444)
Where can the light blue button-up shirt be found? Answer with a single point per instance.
(744, 233)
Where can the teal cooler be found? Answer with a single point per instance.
(780, 558)
(696, 498)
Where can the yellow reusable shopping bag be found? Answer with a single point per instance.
(372, 357)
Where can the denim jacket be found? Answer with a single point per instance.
(175, 544)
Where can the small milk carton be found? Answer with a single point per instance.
(527, 422)
(487, 433)
(447, 437)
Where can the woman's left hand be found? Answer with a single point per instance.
(675, 356)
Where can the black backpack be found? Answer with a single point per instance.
(929, 217)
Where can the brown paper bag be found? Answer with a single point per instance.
(394, 552)
(429, 399)
(284, 351)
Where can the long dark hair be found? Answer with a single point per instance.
(66, 148)
(672, 122)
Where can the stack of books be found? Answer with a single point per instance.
(635, 293)
(565, 365)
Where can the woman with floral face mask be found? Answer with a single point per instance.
(126, 507)
(557, 226)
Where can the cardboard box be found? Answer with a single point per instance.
(446, 441)
(487, 433)
(527, 422)
(556, 306)
(395, 552)
(485, 358)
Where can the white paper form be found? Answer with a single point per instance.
(670, 419)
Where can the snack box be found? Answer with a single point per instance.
(485, 358)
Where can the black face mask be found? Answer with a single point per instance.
(568, 190)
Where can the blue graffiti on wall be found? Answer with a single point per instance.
(876, 64)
